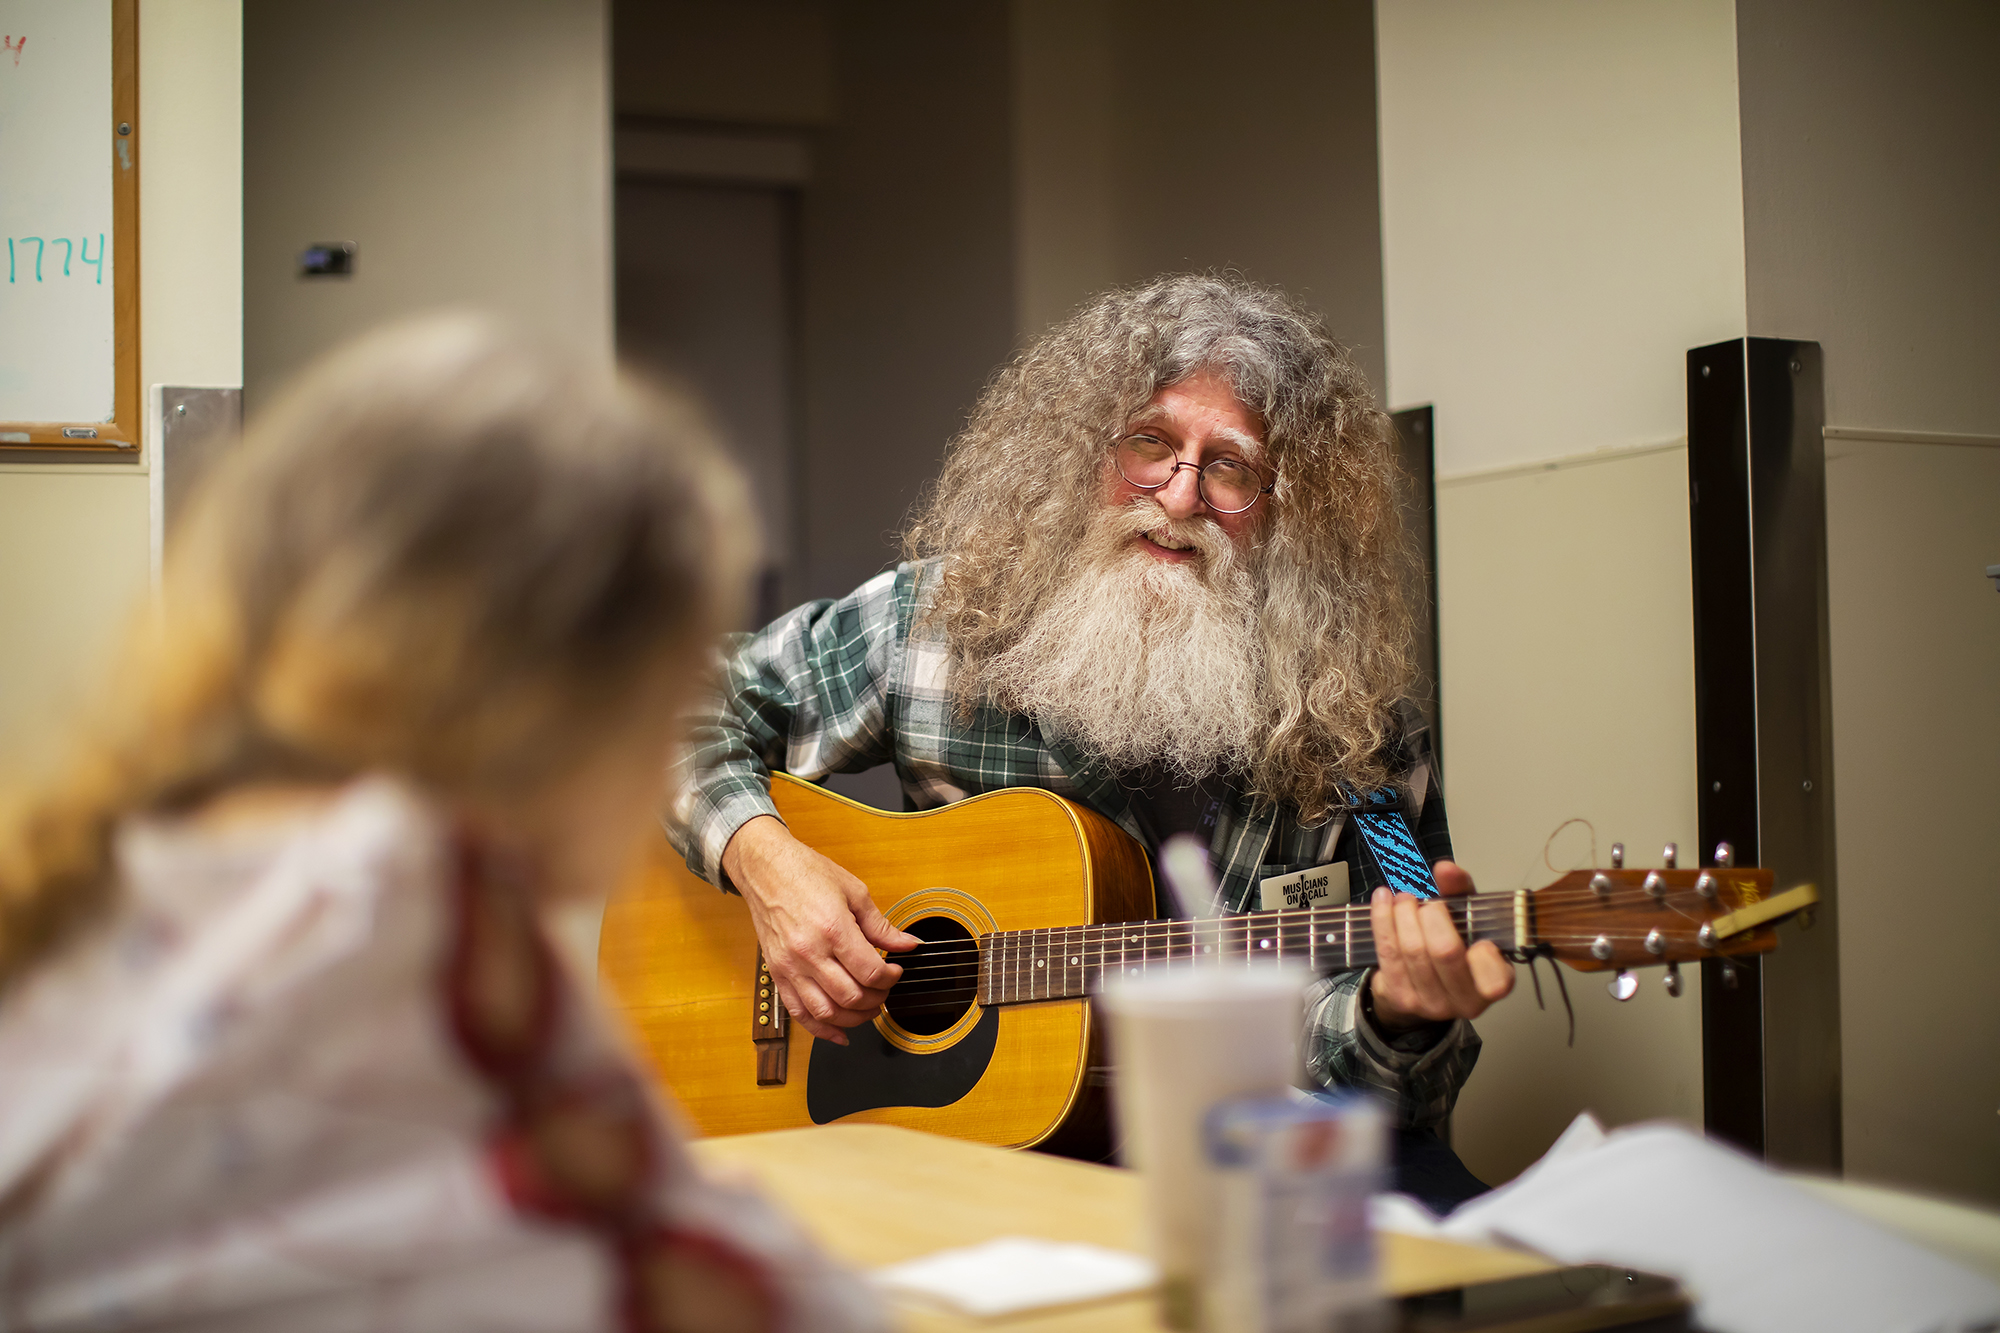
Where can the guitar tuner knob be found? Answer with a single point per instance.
(1725, 855)
(1623, 986)
(1656, 885)
(1656, 943)
(1705, 884)
(1705, 937)
(1600, 949)
(1600, 884)
(1670, 855)
(1672, 981)
(1617, 856)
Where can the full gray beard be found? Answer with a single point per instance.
(1144, 661)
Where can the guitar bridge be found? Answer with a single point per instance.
(770, 1029)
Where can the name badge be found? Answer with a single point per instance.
(1322, 886)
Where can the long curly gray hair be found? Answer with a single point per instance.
(1334, 564)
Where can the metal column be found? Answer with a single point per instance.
(1757, 501)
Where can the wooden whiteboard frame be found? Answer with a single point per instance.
(118, 438)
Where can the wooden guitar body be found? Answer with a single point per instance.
(680, 958)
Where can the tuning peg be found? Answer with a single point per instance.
(1617, 856)
(1624, 986)
(1705, 885)
(1725, 855)
(1670, 855)
(1655, 886)
(1656, 942)
(1673, 980)
(1729, 975)
(1600, 884)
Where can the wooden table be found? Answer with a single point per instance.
(876, 1194)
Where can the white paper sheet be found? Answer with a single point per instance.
(1017, 1273)
(1758, 1253)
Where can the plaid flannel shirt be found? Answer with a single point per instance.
(842, 686)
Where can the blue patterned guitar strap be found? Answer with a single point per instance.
(1380, 821)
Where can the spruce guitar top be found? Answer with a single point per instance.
(1026, 902)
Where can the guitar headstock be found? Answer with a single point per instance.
(1598, 920)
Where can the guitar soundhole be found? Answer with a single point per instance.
(940, 977)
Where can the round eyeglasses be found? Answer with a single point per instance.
(1226, 485)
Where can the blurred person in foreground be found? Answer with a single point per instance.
(284, 1040)
(1162, 575)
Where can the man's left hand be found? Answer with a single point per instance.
(1423, 971)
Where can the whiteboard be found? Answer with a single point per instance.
(58, 153)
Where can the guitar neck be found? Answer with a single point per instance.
(1069, 962)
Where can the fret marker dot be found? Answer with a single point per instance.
(1263, 944)
(1332, 938)
(1073, 962)
(1208, 948)
(1038, 962)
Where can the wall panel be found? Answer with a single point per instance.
(1568, 671)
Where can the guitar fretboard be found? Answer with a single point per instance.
(1069, 962)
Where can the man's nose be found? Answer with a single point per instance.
(1181, 497)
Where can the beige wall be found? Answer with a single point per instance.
(1065, 106)
(1562, 216)
(1562, 220)
(906, 268)
(1568, 667)
(1869, 134)
(74, 542)
(463, 147)
(1916, 665)
(1129, 164)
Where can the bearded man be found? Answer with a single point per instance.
(1161, 575)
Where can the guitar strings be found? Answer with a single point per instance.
(1008, 971)
(1550, 914)
(1245, 945)
(1008, 975)
(1169, 951)
(950, 978)
(961, 998)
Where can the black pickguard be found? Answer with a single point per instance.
(869, 1072)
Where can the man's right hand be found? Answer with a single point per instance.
(818, 927)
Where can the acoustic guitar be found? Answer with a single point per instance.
(1026, 902)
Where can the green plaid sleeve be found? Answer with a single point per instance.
(1417, 1073)
(805, 695)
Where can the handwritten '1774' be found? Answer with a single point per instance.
(81, 252)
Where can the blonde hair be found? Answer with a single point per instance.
(1334, 618)
(444, 553)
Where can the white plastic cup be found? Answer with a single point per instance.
(1182, 1041)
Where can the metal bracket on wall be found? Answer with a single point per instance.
(1416, 442)
(1763, 734)
(193, 427)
